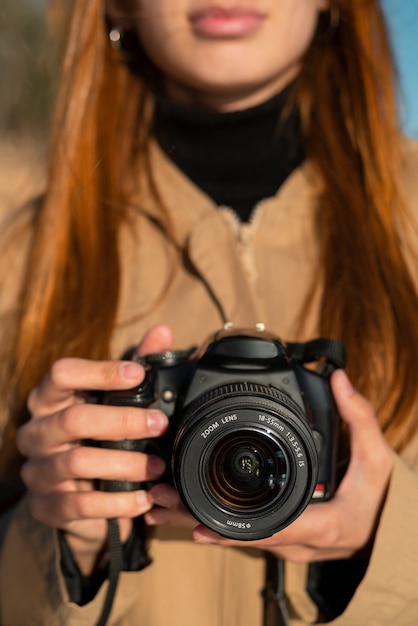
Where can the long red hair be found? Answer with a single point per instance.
(346, 96)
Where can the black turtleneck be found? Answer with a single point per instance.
(237, 158)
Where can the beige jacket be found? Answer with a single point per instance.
(242, 273)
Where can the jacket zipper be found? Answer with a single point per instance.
(243, 228)
(244, 232)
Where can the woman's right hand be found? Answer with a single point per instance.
(59, 470)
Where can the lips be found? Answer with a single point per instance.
(219, 22)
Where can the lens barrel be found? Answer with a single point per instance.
(244, 460)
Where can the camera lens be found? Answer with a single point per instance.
(244, 461)
(246, 470)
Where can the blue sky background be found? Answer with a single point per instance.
(402, 16)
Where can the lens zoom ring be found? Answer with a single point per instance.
(232, 390)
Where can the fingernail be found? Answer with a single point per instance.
(163, 500)
(156, 466)
(132, 370)
(345, 385)
(143, 498)
(157, 422)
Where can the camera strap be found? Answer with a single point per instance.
(275, 610)
(115, 567)
(310, 351)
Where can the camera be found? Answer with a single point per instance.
(253, 428)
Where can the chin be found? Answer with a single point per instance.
(227, 96)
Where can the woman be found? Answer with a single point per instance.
(211, 164)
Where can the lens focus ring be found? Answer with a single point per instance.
(244, 460)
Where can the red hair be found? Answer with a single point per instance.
(346, 95)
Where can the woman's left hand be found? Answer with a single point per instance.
(330, 530)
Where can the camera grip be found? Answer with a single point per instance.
(141, 396)
(130, 445)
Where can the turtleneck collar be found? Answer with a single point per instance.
(237, 158)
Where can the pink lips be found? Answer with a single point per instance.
(223, 23)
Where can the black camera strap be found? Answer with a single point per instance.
(115, 567)
(308, 352)
(275, 610)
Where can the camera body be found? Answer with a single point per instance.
(252, 436)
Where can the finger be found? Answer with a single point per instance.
(370, 466)
(157, 339)
(352, 406)
(83, 463)
(169, 509)
(315, 528)
(294, 552)
(166, 496)
(89, 421)
(285, 549)
(367, 443)
(172, 517)
(58, 509)
(69, 375)
(297, 553)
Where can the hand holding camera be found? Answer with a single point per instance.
(59, 471)
(342, 527)
(253, 432)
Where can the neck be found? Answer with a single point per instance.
(226, 101)
(237, 158)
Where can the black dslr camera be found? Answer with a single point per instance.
(253, 433)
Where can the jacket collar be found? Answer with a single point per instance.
(211, 239)
(186, 205)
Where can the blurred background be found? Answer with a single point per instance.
(402, 17)
(28, 65)
(28, 61)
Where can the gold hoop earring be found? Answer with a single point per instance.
(328, 23)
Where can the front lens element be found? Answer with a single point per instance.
(246, 470)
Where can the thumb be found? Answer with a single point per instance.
(157, 339)
(353, 408)
(366, 437)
